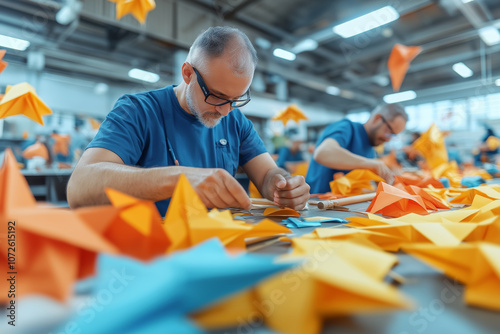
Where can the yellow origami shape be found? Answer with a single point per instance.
(354, 182)
(431, 146)
(477, 265)
(188, 223)
(493, 142)
(138, 8)
(94, 123)
(337, 278)
(21, 99)
(467, 196)
(292, 112)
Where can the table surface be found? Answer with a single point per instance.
(440, 306)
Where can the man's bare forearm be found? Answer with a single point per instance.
(88, 183)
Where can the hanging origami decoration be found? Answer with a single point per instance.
(21, 99)
(138, 8)
(292, 112)
(399, 63)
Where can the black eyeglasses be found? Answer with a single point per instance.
(388, 125)
(219, 101)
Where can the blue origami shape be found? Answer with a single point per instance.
(301, 222)
(156, 297)
(472, 181)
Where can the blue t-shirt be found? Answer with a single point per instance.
(351, 136)
(285, 155)
(139, 125)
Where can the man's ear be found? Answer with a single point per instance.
(187, 72)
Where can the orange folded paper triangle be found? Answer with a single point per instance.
(292, 112)
(431, 145)
(399, 62)
(271, 212)
(21, 99)
(354, 182)
(3, 63)
(393, 202)
(138, 8)
(36, 150)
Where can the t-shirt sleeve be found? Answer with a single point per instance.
(341, 132)
(250, 143)
(123, 131)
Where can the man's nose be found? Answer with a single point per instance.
(224, 109)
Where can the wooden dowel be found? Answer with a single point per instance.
(346, 201)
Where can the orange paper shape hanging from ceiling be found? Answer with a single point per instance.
(292, 112)
(3, 64)
(138, 8)
(399, 63)
(21, 99)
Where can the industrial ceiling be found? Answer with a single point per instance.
(97, 45)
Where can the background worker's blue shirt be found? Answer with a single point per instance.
(138, 127)
(350, 135)
(285, 155)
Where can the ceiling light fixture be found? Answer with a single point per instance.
(280, 53)
(497, 82)
(367, 22)
(489, 35)
(307, 44)
(400, 97)
(13, 43)
(143, 75)
(462, 70)
(332, 90)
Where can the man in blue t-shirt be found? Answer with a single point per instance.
(149, 139)
(345, 145)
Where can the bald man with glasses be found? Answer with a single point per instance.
(346, 145)
(195, 128)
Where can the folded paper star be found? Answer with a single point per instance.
(399, 63)
(477, 265)
(354, 182)
(21, 99)
(138, 8)
(3, 63)
(337, 278)
(431, 145)
(393, 202)
(292, 112)
(61, 144)
(188, 223)
(36, 150)
(173, 286)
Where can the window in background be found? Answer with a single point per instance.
(360, 117)
(478, 112)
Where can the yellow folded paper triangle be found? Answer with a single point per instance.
(477, 265)
(138, 8)
(431, 146)
(354, 182)
(21, 99)
(188, 223)
(493, 142)
(292, 112)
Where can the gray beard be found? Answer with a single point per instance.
(208, 122)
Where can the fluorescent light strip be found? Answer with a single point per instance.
(497, 82)
(367, 22)
(462, 70)
(400, 97)
(143, 75)
(489, 35)
(467, 1)
(13, 43)
(280, 53)
(332, 90)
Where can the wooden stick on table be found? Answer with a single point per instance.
(341, 202)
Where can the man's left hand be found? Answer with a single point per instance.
(291, 191)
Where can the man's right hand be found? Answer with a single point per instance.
(383, 171)
(219, 189)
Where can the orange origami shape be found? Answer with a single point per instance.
(36, 150)
(393, 202)
(431, 145)
(21, 99)
(431, 203)
(292, 112)
(61, 144)
(354, 182)
(94, 123)
(271, 212)
(399, 63)
(493, 142)
(55, 247)
(188, 223)
(138, 8)
(135, 227)
(3, 64)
